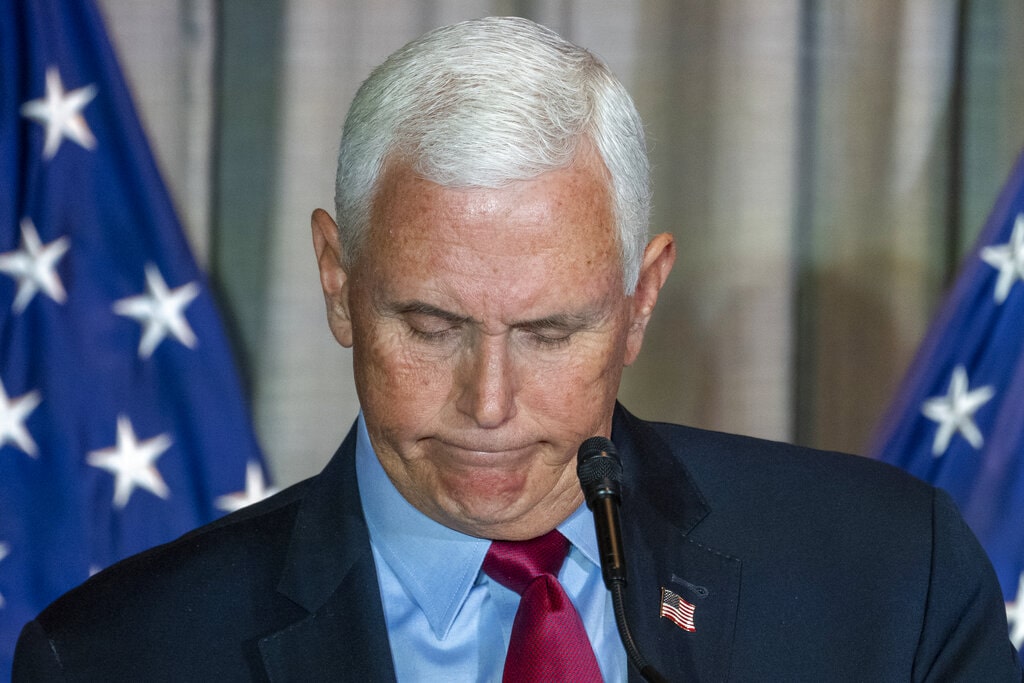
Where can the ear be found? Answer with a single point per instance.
(333, 278)
(659, 257)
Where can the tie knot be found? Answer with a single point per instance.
(515, 564)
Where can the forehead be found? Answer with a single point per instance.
(552, 235)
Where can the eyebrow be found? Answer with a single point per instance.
(423, 308)
(559, 321)
(563, 322)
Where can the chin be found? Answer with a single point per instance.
(520, 500)
(510, 514)
(487, 501)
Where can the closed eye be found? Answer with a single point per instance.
(432, 335)
(555, 331)
(550, 338)
(430, 323)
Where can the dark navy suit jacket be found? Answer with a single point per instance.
(801, 565)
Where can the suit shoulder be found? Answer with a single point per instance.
(188, 575)
(721, 459)
(762, 489)
(199, 607)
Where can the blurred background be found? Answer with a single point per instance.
(823, 164)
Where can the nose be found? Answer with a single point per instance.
(487, 382)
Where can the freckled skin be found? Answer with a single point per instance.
(489, 330)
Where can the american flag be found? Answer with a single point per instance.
(122, 422)
(678, 610)
(958, 420)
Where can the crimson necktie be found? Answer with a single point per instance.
(548, 641)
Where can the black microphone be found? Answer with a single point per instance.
(600, 470)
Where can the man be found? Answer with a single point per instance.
(492, 274)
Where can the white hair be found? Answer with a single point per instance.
(486, 102)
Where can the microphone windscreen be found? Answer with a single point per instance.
(598, 467)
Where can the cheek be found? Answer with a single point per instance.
(577, 386)
(398, 388)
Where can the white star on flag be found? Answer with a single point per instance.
(5, 550)
(159, 311)
(954, 412)
(1015, 616)
(131, 463)
(13, 413)
(33, 267)
(61, 114)
(1008, 259)
(255, 490)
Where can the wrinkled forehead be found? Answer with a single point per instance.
(541, 236)
(581, 185)
(572, 205)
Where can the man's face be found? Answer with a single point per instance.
(489, 330)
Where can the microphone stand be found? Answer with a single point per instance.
(632, 652)
(599, 470)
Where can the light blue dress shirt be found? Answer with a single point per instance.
(447, 620)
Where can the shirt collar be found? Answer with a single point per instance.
(436, 565)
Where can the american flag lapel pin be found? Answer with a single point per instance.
(677, 610)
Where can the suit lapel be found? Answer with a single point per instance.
(661, 506)
(329, 571)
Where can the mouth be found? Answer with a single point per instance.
(482, 454)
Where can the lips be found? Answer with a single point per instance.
(481, 454)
